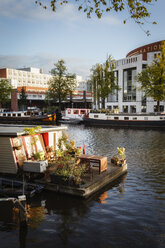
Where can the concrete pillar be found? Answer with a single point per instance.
(14, 100)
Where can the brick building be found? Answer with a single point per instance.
(35, 84)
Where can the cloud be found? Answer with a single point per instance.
(75, 65)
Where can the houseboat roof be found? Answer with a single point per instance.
(18, 130)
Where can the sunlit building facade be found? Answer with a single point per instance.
(129, 98)
(35, 84)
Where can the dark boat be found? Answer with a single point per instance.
(124, 120)
(27, 117)
(15, 188)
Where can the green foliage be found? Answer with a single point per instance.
(5, 91)
(23, 97)
(39, 155)
(32, 130)
(136, 9)
(61, 85)
(103, 80)
(121, 152)
(152, 78)
(65, 161)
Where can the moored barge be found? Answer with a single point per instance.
(17, 150)
(125, 120)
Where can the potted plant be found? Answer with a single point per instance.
(38, 156)
(120, 158)
(121, 152)
(67, 171)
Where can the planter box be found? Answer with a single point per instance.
(57, 179)
(35, 166)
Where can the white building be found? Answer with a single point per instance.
(130, 99)
(35, 84)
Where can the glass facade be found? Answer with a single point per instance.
(129, 85)
(113, 97)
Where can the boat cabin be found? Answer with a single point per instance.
(16, 147)
(19, 114)
(76, 113)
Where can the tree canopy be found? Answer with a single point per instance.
(103, 80)
(61, 84)
(137, 9)
(23, 98)
(5, 91)
(152, 78)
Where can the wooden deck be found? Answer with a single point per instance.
(93, 182)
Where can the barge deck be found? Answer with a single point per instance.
(92, 182)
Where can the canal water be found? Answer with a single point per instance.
(129, 213)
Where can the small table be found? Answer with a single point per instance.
(101, 161)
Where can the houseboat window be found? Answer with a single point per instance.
(134, 118)
(82, 112)
(96, 116)
(14, 114)
(126, 118)
(69, 111)
(8, 114)
(19, 114)
(76, 112)
(4, 114)
(145, 118)
(116, 118)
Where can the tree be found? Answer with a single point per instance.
(5, 91)
(137, 9)
(152, 78)
(103, 80)
(23, 98)
(61, 84)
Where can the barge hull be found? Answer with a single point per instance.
(93, 185)
(124, 123)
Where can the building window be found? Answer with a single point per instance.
(125, 109)
(161, 108)
(129, 85)
(133, 109)
(143, 109)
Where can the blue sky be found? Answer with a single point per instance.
(32, 36)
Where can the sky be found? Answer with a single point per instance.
(33, 36)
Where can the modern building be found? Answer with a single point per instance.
(130, 99)
(35, 84)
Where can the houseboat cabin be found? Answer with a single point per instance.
(76, 113)
(16, 147)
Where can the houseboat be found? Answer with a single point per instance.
(18, 159)
(28, 117)
(73, 115)
(125, 120)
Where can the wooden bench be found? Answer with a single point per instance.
(99, 161)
